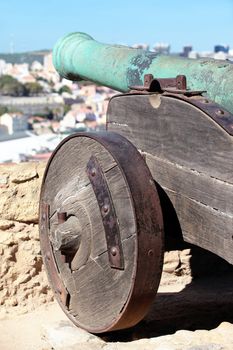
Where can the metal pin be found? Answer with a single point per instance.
(150, 253)
(113, 251)
(47, 256)
(105, 209)
(93, 172)
(220, 111)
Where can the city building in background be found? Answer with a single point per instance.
(162, 48)
(38, 108)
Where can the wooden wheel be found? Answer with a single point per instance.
(101, 231)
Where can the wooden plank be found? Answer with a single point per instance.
(67, 184)
(68, 168)
(204, 226)
(203, 205)
(191, 157)
(62, 267)
(201, 187)
(122, 202)
(99, 300)
(65, 273)
(173, 130)
(84, 206)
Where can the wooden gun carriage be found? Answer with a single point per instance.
(102, 202)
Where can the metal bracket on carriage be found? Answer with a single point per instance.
(176, 85)
(109, 218)
(216, 112)
(58, 286)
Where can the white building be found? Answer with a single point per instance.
(2, 67)
(162, 48)
(48, 63)
(36, 66)
(14, 122)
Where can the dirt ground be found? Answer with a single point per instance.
(24, 332)
(201, 305)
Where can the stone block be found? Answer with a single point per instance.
(64, 335)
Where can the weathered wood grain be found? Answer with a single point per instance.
(206, 227)
(67, 235)
(100, 299)
(191, 157)
(174, 130)
(195, 185)
(122, 202)
(68, 168)
(97, 293)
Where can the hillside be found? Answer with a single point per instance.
(24, 57)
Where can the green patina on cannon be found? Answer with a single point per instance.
(163, 167)
(78, 56)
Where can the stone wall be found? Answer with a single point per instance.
(23, 283)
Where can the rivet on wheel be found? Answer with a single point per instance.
(220, 112)
(113, 251)
(47, 256)
(150, 253)
(93, 172)
(105, 209)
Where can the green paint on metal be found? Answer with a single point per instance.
(78, 56)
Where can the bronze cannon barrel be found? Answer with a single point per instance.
(78, 56)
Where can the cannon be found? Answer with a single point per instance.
(105, 196)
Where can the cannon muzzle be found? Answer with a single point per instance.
(78, 56)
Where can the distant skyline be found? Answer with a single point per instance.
(28, 25)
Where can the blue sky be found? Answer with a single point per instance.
(33, 24)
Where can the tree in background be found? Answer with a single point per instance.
(33, 89)
(3, 110)
(64, 88)
(11, 86)
(67, 108)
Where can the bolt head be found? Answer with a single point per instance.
(113, 251)
(150, 253)
(105, 209)
(220, 112)
(93, 172)
(47, 256)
